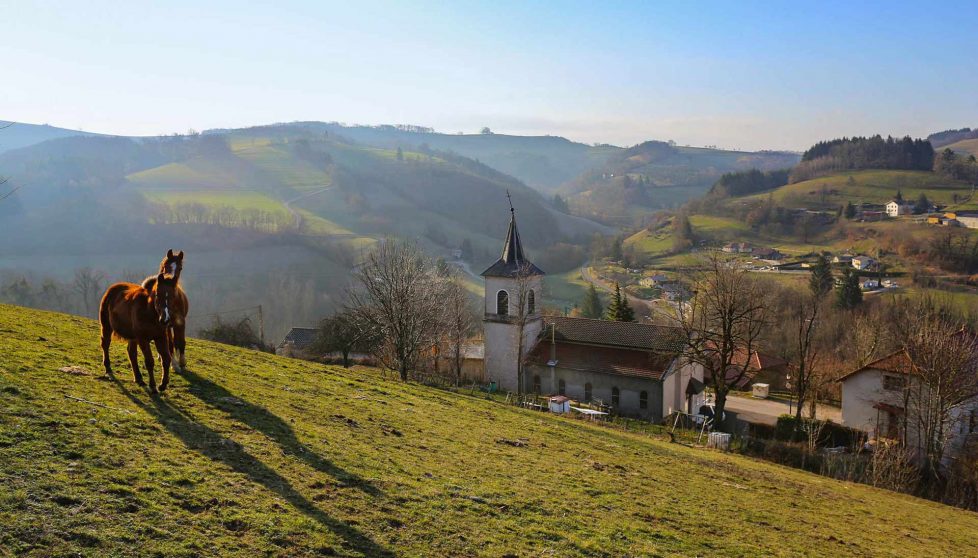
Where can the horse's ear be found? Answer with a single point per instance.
(180, 255)
(169, 253)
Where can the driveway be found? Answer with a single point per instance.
(767, 411)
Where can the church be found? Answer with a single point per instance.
(635, 368)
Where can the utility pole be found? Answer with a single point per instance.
(261, 327)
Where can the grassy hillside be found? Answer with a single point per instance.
(871, 186)
(252, 454)
(969, 146)
(657, 175)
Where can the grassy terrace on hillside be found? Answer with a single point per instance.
(870, 186)
(251, 454)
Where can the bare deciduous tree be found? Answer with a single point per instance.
(89, 284)
(345, 333)
(723, 324)
(459, 323)
(943, 376)
(525, 305)
(399, 292)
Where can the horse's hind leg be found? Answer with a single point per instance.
(106, 341)
(133, 350)
(180, 345)
(163, 348)
(148, 360)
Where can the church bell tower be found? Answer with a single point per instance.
(513, 287)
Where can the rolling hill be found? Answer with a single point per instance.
(657, 175)
(272, 216)
(968, 146)
(14, 135)
(251, 454)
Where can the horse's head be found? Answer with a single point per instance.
(172, 264)
(164, 295)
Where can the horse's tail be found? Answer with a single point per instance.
(103, 310)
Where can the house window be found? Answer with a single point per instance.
(587, 391)
(531, 302)
(643, 400)
(536, 384)
(892, 425)
(615, 396)
(893, 383)
(502, 303)
(561, 387)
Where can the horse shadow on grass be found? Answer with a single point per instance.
(260, 419)
(211, 444)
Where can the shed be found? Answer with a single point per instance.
(559, 404)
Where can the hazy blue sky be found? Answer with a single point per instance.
(735, 74)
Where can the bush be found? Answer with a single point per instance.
(831, 434)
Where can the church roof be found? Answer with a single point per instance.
(512, 262)
(618, 361)
(629, 335)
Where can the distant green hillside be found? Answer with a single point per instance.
(969, 146)
(15, 135)
(656, 175)
(870, 186)
(250, 454)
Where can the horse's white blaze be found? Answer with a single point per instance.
(166, 314)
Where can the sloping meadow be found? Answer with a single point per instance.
(250, 454)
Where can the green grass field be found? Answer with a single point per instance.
(250, 454)
(237, 199)
(870, 186)
(964, 146)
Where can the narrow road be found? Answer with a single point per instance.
(767, 411)
(296, 216)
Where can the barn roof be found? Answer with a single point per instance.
(300, 337)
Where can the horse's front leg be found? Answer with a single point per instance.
(163, 348)
(133, 350)
(180, 344)
(148, 359)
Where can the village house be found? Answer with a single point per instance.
(896, 209)
(863, 263)
(737, 248)
(768, 254)
(762, 368)
(634, 368)
(845, 259)
(473, 362)
(874, 401)
(653, 280)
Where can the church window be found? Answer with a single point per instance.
(561, 387)
(531, 302)
(643, 400)
(615, 396)
(502, 303)
(536, 384)
(587, 392)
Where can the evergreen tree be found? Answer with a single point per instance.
(625, 312)
(619, 309)
(820, 282)
(614, 306)
(560, 204)
(400, 154)
(899, 197)
(591, 306)
(848, 294)
(850, 210)
(922, 205)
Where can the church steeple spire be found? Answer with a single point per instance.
(512, 260)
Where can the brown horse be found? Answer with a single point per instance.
(139, 316)
(172, 265)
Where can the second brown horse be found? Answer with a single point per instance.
(171, 266)
(139, 316)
